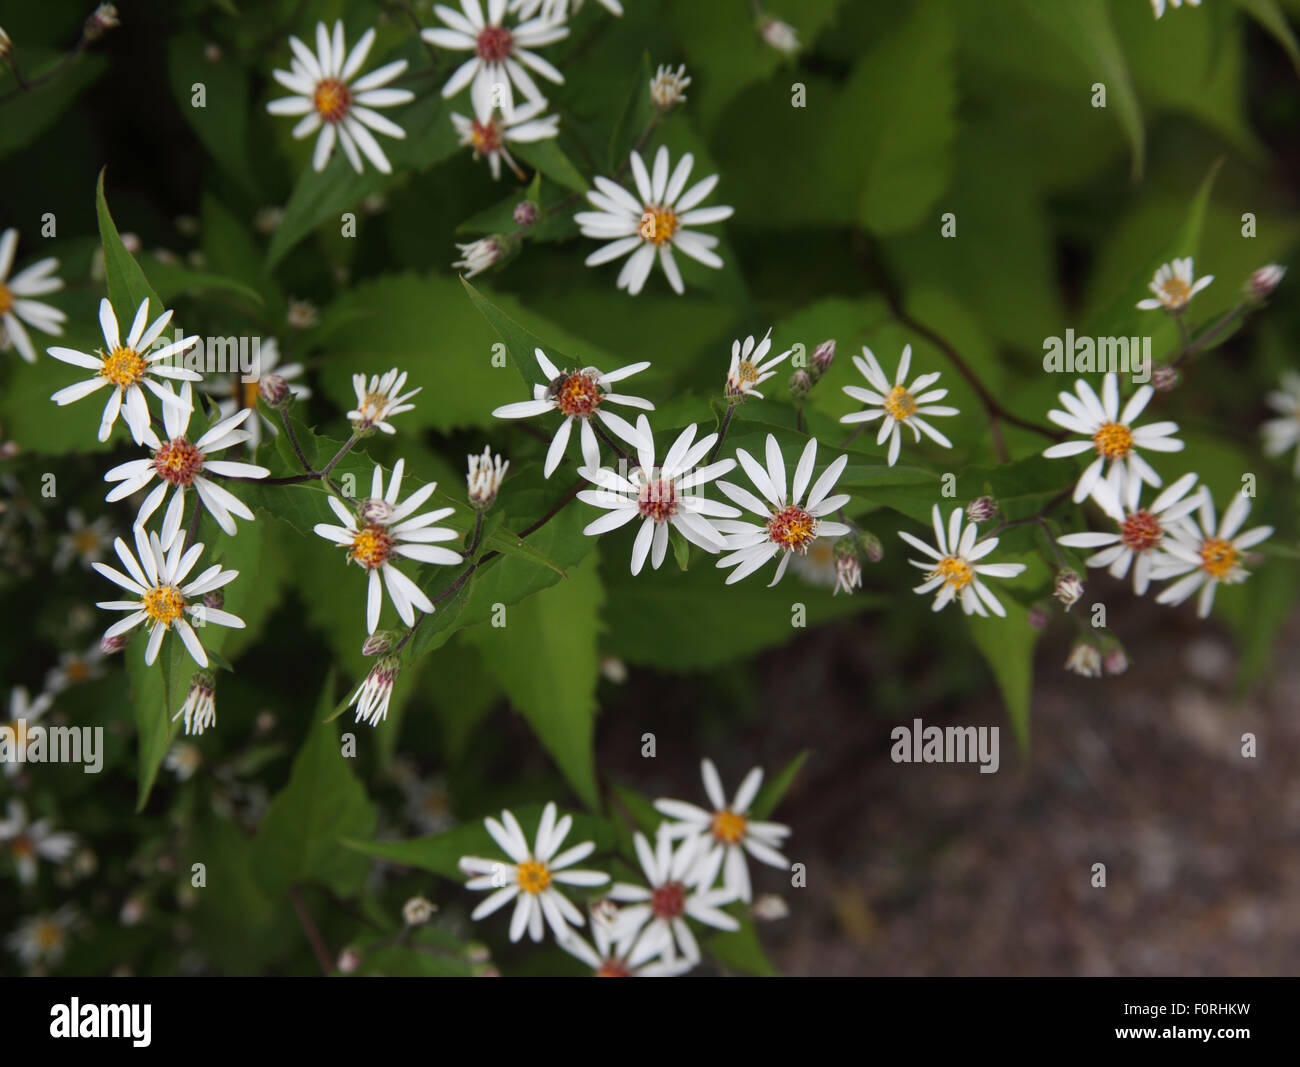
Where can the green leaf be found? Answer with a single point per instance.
(776, 788)
(172, 280)
(1269, 15)
(322, 802)
(546, 660)
(127, 284)
(741, 950)
(547, 157)
(157, 694)
(1008, 646)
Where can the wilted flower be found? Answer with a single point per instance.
(1165, 378)
(486, 472)
(848, 567)
(200, 707)
(1068, 588)
(375, 692)
(1084, 659)
(477, 256)
(103, 18)
(417, 911)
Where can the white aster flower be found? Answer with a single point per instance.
(236, 395)
(1138, 541)
(1283, 434)
(655, 918)
(651, 224)
(155, 577)
(642, 958)
(1204, 557)
(663, 497)
(1159, 5)
(581, 395)
(382, 529)
(302, 314)
(726, 832)
(1084, 660)
(75, 668)
(478, 256)
(489, 134)
(380, 400)
(788, 527)
(668, 85)
(179, 463)
(1174, 286)
(897, 403)
(417, 911)
(29, 842)
(127, 367)
(486, 473)
(750, 366)
(23, 714)
(200, 707)
(44, 938)
(954, 569)
(329, 100)
(501, 52)
(558, 9)
(183, 759)
(531, 876)
(1111, 434)
(85, 542)
(16, 304)
(376, 690)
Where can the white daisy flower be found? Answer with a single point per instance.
(788, 527)
(750, 366)
(662, 497)
(375, 691)
(1174, 286)
(236, 395)
(1159, 5)
(531, 876)
(489, 134)
(380, 400)
(581, 395)
(44, 938)
(642, 958)
(501, 52)
(23, 714)
(183, 759)
(85, 542)
(16, 304)
(651, 224)
(155, 577)
(75, 668)
(1283, 434)
(127, 366)
(1084, 660)
(726, 832)
(897, 403)
(667, 87)
(1139, 539)
(1111, 434)
(655, 918)
(29, 842)
(955, 569)
(381, 529)
(1204, 557)
(329, 100)
(200, 707)
(558, 9)
(179, 463)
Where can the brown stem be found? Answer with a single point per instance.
(318, 946)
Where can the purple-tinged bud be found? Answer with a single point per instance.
(1038, 618)
(348, 961)
(800, 383)
(377, 644)
(525, 214)
(1260, 285)
(1115, 661)
(869, 545)
(1165, 378)
(116, 643)
(274, 390)
(216, 600)
(823, 356)
(375, 511)
(981, 509)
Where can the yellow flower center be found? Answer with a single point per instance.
(76, 671)
(164, 604)
(49, 935)
(6, 299)
(371, 546)
(729, 827)
(746, 371)
(1114, 440)
(1176, 292)
(86, 542)
(248, 395)
(331, 99)
(793, 529)
(123, 367)
(1218, 557)
(533, 876)
(658, 224)
(900, 403)
(954, 572)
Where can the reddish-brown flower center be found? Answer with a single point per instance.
(792, 528)
(332, 99)
(486, 137)
(658, 500)
(1140, 531)
(495, 43)
(577, 394)
(612, 968)
(668, 901)
(178, 462)
(6, 299)
(22, 847)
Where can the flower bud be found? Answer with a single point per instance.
(1038, 618)
(348, 961)
(770, 907)
(1084, 659)
(417, 911)
(1115, 661)
(779, 35)
(869, 545)
(1259, 287)
(800, 383)
(102, 19)
(477, 256)
(525, 214)
(274, 390)
(216, 600)
(116, 643)
(823, 356)
(667, 85)
(1165, 378)
(377, 644)
(981, 509)
(375, 511)
(6, 45)
(1068, 588)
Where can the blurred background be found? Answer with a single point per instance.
(913, 109)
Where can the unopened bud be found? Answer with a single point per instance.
(1037, 618)
(377, 644)
(486, 473)
(1165, 378)
(116, 643)
(613, 669)
(348, 961)
(1260, 285)
(981, 509)
(869, 545)
(525, 214)
(1115, 661)
(779, 35)
(375, 511)
(103, 18)
(823, 356)
(216, 600)
(770, 907)
(1068, 589)
(417, 911)
(800, 383)
(274, 390)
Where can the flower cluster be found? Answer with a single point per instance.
(697, 866)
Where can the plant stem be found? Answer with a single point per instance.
(293, 443)
(1208, 337)
(347, 447)
(317, 942)
(722, 432)
(478, 532)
